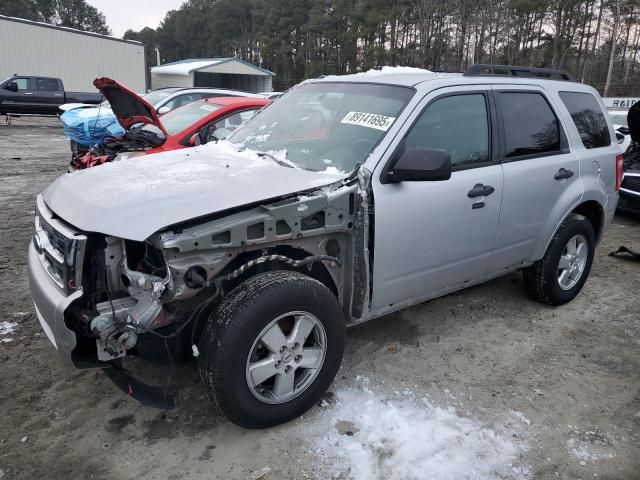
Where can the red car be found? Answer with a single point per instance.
(146, 132)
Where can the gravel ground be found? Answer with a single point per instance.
(563, 382)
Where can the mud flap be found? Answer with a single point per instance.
(155, 397)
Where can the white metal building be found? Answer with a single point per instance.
(35, 48)
(232, 73)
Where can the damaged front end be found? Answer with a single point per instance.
(134, 282)
(133, 296)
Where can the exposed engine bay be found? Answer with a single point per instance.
(136, 139)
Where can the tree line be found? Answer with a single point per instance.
(65, 13)
(596, 40)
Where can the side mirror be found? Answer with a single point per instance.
(11, 86)
(619, 137)
(205, 134)
(163, 110)
(421, 164)
(624, 130)
(194, 140)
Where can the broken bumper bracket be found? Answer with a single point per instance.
(148, 395)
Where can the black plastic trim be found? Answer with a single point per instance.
(478, 70)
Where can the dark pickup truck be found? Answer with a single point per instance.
(25, 94)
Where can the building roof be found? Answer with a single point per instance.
(186, 67)
(67, 29)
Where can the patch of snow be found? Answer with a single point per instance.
(367, 437)
(260, 474)
(331, 170)
(7, 328)
(520, 416)
(585, 452)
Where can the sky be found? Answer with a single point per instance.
(135, 14)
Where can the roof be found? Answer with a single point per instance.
(68, 29)
(227, 101)
(186, 67)
(410, 77)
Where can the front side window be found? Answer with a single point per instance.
(23, 83)
(325, 126)
(235, 120)
(530, 126)
(155, 97)
(182, 100)
(457, 124)
(46, 84)
(588, 118)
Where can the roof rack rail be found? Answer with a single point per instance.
(481, 70)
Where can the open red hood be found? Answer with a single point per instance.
(128, 107)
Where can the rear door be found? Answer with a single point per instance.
(541, 174)
(48, 93)
(437, 236)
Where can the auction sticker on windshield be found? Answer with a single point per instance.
(371, 120)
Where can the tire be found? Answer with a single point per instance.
(241, 334)
(543, 279)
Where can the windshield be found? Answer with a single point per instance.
(154, 97)
(177, 120)
(618, 118)
(325, 126)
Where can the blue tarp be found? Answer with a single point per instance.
(89, 126)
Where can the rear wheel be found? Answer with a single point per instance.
(272, 348)
(559, 276)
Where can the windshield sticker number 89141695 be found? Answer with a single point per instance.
(371, 120)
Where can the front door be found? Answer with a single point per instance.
(437, 236)
(22, 100)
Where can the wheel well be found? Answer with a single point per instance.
(594, 212)
(315, 270)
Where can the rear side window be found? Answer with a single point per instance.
(588, 118)
(46, 84)
(530, 126)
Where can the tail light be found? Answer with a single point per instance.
(619, 171)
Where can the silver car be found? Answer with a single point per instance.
(349, 198)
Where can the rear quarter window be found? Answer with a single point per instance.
(588, 118)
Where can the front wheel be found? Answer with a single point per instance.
(272, 348)
(559, 276)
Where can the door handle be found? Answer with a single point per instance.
(480, 190)
(28, 93)
(562, 174)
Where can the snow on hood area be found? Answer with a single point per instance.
(367, 435)
(136, 197)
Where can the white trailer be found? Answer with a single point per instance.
(76, 57)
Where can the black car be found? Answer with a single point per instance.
(630, 187)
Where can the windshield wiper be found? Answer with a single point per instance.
(277, 160)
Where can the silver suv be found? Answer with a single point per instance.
(349, 198)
